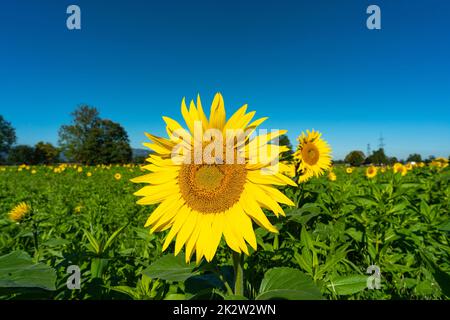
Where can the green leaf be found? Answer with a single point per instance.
(445, 226)
(306, 240)
(17, 270)
(94, 243)
(98, 265)
(366, 201)
(304, 214)
(113, 237)
(441, 277)
(171, 268)
(235, 297)
(287, 283)
(350, 284)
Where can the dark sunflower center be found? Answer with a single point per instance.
(211, 188)
(310, 154)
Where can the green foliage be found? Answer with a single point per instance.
(324, 246)
(378, 157)
(92, 140)
(287, 283)
(45, 153)
(414, 157)
(17, 270)
(21, 154)
(355, 158)
(7, 135)
(288, 155)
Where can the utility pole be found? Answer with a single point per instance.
(368, 150)
(382, 144)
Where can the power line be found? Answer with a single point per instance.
(381, 144)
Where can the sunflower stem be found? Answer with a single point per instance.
(238, 263)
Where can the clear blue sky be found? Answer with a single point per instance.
(304, 64)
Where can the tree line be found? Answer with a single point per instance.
(89, 139)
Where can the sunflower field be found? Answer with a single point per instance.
(87, 216)
(249, 228)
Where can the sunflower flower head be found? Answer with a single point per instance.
(209, 182)
(19, 212)
(331, 176)
(349, 170)
(313, 155)
(439, 162)
(371, 172)
(117, 176)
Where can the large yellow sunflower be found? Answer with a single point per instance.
(204, 196)
(313, 155)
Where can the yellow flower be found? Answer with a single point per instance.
(80, 169)
(383, 169)
(117, 176)
(77, 209)
(421, 164)
(439, 162)
(403, 171)
(409, 166)
(371, 172)
(20, 169)
(33, 171)
(332, 176)
(202, 197)
(287, 169)
(89, 174)
(349, 170)
(19, 212)
(398, 167)
(313, 155)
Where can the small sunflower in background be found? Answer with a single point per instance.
(287, 169)
(201, 201)
(117, 176)
(400, 168)
(19, 212)
(371, 172)
(403, 171)
(313, 155)
(89, 174)
(383, 169)
(80, 169)
(349, 170)
(409, 166)
(331, 176)
(440, 162)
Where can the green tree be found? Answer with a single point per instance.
(92, 140)
(7, 136)
(415, 157)
(45, 153)
(378, 157)
(355, 158)
(392, 160)
(21, 154)
(284, 141)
